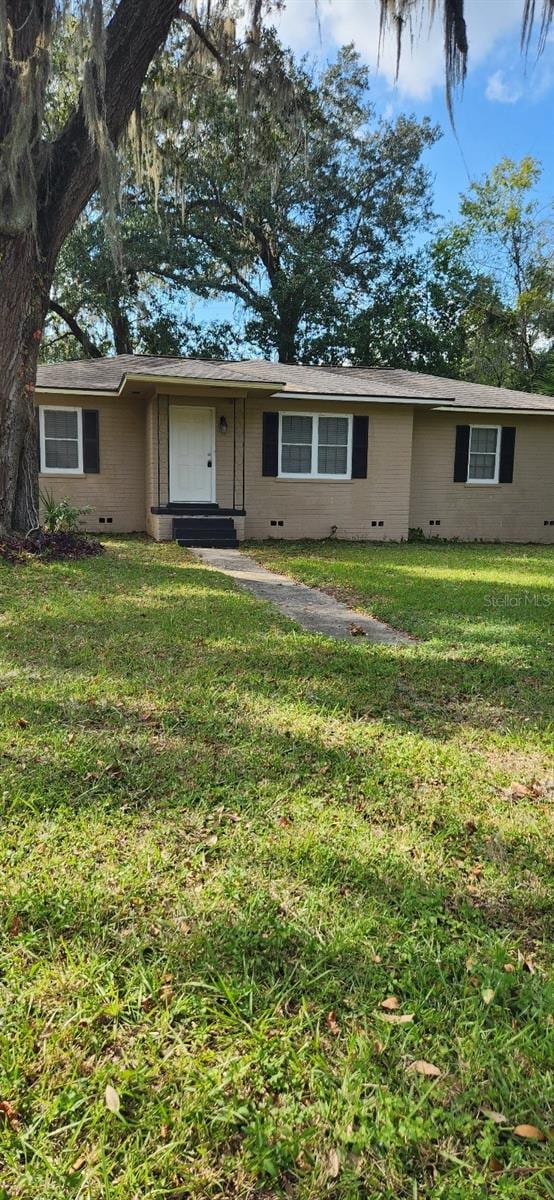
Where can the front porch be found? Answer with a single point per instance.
(196, 469)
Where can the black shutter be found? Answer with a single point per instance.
(37, 421)
(270, 444)
(91, 442)
(360, 429)
(507, 447)
(461, 454)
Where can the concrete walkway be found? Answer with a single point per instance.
(314, 610)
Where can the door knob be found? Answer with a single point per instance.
(209, 462)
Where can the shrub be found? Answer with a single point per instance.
(61, 516)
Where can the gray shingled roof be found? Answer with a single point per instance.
(433, 387)
(107, 374)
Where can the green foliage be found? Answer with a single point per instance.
(422, 321)
(504, 224)
(305, 214)
(299, 219)
(225, 842)
(61, 516)
(294, 210)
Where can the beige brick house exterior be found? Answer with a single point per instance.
(294, 452)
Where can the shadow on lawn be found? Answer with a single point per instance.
(229, 639)
(186, 685)
(180, 699)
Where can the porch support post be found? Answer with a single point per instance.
(234, 451)
(168, 479)
(158, 455)
(244, 451)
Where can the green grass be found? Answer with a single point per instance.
(225, 842)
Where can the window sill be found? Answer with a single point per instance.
(61, 474)
(313, 478)
(477, 483)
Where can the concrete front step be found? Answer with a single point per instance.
(212, 543)
(201, 528)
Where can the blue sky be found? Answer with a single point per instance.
(506, 109)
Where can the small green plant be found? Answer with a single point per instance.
(61, 516)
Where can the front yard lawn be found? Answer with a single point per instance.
(225, 843)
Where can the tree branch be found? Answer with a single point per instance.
(202, 36)
(73, 325)
(136, 31)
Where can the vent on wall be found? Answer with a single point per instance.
(105, 520)
(374, 523)
(549, 522)
(276, 522)
(434, 522)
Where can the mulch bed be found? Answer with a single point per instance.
(17, 549)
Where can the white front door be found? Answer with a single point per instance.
(191, 453)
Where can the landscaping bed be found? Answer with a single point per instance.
(45, 545)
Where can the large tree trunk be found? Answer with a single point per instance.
(44, 186)
(23, 301)
(121, 329)
(287, 334)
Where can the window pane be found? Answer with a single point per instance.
(481, 466)
(297, 459)
(297, 429)
(59, 424)
(61, 454)
(333, 431)
(331, 460)
(483, 441)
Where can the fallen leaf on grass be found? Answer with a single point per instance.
(22, 722)
(516, 791)
(424, 1068)
(391, 1002)
(112, 1099)
(377, 1046)
(79, 1163)
(164, 1133)
(10, 1114)
(495, 1166)
(530, 1131)
(488, 995)
(497, 1117)
(527, 963)
(357, 631)
(396, 1018)
(15, 926)
(332, 1023)
(333, 1164)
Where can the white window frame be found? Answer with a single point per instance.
(44, 470)
(314, 474)
(485, 482)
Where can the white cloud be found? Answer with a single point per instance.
(337, 22)
(498, 88)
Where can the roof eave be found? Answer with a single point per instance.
(497, 409)
(350, 397)
(155, 381)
